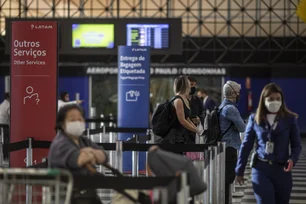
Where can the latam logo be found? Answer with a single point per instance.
(139, 49)
(41, 26)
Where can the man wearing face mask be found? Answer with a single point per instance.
(196, 108)
(231, 124)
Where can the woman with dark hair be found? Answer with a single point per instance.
(273, 128)
(64, 100)
(70, 150)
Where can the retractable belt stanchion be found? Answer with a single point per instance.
(93, 124)
(223, 146)
(215, 174)
(150, 141)
(102, 125)
(1, 146)
(207, 156)
(212, 170)
(135, 155)
(119, 155)
(111, 139)
(183, 194)
(29, 162)
(160, 195)
(218, 173)
(199, 165)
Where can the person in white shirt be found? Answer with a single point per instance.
(64, 100)
(208, 103)
(5, 120)
(5, 110)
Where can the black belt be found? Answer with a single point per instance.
(271, 162)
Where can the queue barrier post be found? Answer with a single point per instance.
(29, 162)
(211, 175)
(135, 158)
(223, 154)
(218, 173)
(160, 195)
(88, 133)
(112, 139)
(199, 165)
(183, 194)
(102, 133)
(215, 174)
(119, 155)
(207, 157)
(150, 141)
(1, 146)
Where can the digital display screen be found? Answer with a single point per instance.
(93, 36)
(155, 36)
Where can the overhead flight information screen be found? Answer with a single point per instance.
(155, 36)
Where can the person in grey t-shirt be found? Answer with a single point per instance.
(69, 149)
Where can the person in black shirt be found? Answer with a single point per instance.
(196, 108)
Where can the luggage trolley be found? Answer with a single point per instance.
(35, 186)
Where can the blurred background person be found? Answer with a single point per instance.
(70, 150)
(273, 128)
(5, 110)
(208, 103)
(65, 100)
(5, 120)
(231, 124)
(196, 109)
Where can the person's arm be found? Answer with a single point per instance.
(64, 155)
(246, 147)
(179, 108)
(99, 153)
(201, 111)
(295, 142)
(233, 115)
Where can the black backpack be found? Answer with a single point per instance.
(162, 118)
(212, 132)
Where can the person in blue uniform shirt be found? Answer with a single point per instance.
(272, 128)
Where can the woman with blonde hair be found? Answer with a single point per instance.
(181, 113)
(273, 128)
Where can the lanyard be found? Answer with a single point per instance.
(272, 127)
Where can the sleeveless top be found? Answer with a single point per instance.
(187, 111)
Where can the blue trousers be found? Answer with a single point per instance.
(271, 184)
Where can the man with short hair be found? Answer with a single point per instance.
(208, 103)
(231, 124)
(196, 108)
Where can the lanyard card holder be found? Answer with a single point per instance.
(254, 159)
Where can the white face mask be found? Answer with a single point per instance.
(75, 128)
(273, 106)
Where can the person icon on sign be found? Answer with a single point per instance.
(30, 91)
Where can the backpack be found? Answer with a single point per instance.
(162, 118)
(212, 132)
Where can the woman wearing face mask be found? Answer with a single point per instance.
(272, 128)
(69, 150)
(181, 111)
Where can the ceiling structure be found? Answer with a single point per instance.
(217, 21)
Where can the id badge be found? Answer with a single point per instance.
(269, 147)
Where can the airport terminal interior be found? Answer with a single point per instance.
(122, 62)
